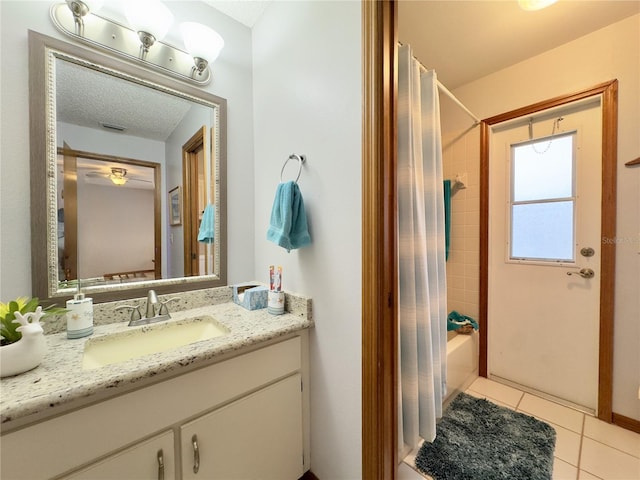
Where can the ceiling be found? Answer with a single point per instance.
(92, 99)
(467, 40)
(463, 40)
(246, 12)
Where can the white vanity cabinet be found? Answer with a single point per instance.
(249, 414)
(268, 425)
(150, 459)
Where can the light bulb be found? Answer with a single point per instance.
(201, 41)
(149, 16)
(531, 5)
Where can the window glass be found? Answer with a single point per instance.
(543, 169)
(542, 200)
(542, 231)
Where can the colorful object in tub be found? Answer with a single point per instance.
(250, 296)
(461, 323)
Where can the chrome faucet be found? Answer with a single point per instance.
(152, 300)
(151, 316)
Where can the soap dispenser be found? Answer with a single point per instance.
(79, 315)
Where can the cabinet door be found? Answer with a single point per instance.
(149, 460)
(257, 436)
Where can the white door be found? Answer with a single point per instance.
(544, 224)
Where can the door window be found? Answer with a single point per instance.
(542, 205)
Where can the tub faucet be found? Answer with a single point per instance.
(152, 300)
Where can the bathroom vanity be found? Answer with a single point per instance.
(233, 406)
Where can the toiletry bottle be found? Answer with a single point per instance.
(79, 316)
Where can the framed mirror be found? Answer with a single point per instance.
(128, 178)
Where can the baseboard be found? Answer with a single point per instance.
(308, 475)
(626, 422)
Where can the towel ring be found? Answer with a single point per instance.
(300, 158)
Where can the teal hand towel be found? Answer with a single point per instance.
(288, 225)
(447, 217)
(206, 234)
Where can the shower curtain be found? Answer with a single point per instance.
(421, 246)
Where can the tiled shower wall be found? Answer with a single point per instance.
(461, 156)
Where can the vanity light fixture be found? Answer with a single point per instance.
(80, 8)
(531, 5)
(141, 41)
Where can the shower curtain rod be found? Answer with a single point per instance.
(446, 91)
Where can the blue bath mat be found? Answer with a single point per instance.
(477, 439)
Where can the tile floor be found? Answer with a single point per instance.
(586, 448)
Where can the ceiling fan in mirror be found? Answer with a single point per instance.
(118, 176)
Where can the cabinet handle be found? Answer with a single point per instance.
(160, 465)
(196, 454)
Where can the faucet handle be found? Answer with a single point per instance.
(163, 305)
(135, 311)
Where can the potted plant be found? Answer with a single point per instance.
(23, 344)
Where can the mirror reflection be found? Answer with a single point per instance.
(136, 182)
(107, 217)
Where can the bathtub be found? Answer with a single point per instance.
(462, 362)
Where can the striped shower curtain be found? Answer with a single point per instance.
(421, 247)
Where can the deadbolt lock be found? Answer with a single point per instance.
(587, 252)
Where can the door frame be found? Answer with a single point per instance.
(379, 264)
(609, 93)
(70, 191)
(190, 211)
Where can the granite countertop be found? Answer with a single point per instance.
(60, 380)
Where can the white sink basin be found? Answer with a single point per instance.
(140, 341)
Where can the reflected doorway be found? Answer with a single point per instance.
(108, 218)
(198, 185)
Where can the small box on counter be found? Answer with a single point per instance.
(250, 295)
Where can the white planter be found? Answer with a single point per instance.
(27, 353)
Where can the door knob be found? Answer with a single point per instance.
(584, 273)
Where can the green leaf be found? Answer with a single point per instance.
(30, 306)
(13, 307)
(8, 328)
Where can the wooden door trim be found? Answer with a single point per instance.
(189, 196)
(609, 92)
(379, 270)
(70, 209)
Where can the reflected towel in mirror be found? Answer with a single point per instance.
(288, 226)
(206, 234)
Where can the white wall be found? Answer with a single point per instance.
(610, 53)
(111, 217)
(231, 80)
(307, 100)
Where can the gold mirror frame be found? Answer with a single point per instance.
(43, 51)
